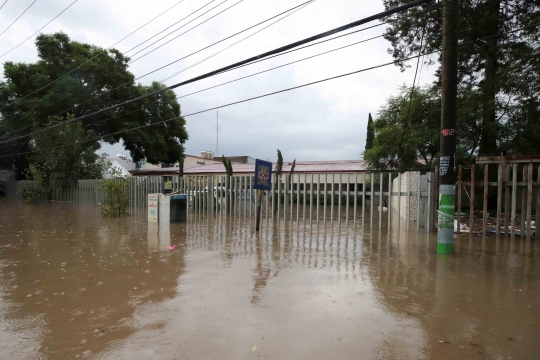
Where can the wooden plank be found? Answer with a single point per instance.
(471, 207)
(459, 184)
(523, 203)
(499, 198)
(537, 232)
(485, 210)
(529, 200)
(514, 200)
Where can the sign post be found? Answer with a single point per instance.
(263, 181)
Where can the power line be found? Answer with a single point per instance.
(41, 28)
(3, 4)
(170, 26)
(369, 27)
(193, 53)
(100, 53)
(279, 91)
(14, 21)
(102, 75)
(235, 43)
(232, 103)
(246, 61)
(225, 83)
(165, 43)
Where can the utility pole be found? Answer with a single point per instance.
(447, 171)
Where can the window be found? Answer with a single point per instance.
(200, 162)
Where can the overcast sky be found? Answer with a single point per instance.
(326, 121)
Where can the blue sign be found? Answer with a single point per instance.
(263, 175)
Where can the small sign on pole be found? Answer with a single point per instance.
(263, 181)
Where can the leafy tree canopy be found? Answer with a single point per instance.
(407, 129)
(503, 71)
(103, 81)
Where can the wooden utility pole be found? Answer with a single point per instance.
(447, 171)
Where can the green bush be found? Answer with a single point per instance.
(116, 200)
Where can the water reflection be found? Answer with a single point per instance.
(74, 284)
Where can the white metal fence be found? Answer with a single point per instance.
(382, 199)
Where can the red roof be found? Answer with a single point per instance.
(329, 166)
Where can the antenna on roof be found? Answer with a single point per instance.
(217, 127)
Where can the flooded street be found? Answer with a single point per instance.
(76, 285)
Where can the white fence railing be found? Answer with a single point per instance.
(390, 199)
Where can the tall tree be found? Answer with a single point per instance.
(370, 133)
(495, 65)
(27, 104)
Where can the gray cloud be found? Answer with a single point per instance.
(320, 122)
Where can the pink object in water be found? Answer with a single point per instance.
(172, 247)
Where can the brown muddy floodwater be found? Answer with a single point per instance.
(75, 285)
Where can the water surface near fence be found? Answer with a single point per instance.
(76, 285)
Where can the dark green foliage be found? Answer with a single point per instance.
(96, 85)
(370, 137)
(503, 72)
(403, 136)
(116, 200)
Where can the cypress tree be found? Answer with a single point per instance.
(370, 133)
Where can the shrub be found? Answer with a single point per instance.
(116, 200)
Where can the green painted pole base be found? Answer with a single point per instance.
(445, 223)
(447, 249)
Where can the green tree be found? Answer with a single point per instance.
(403, 136)
(27, 104)
(504, 69)
(370, 133)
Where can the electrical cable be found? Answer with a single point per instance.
(158, 102)
(100, 53)
(382, 23)
(281, 91)
(41, 28)
(99, 78)
(168, 27)
(185, 32)
(246, 61)
(235, 43)
(195, 52)
(14, 21)
(3, 4)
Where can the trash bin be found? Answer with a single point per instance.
(172, 208)
(178, 208)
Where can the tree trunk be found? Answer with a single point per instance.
(488, 144)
